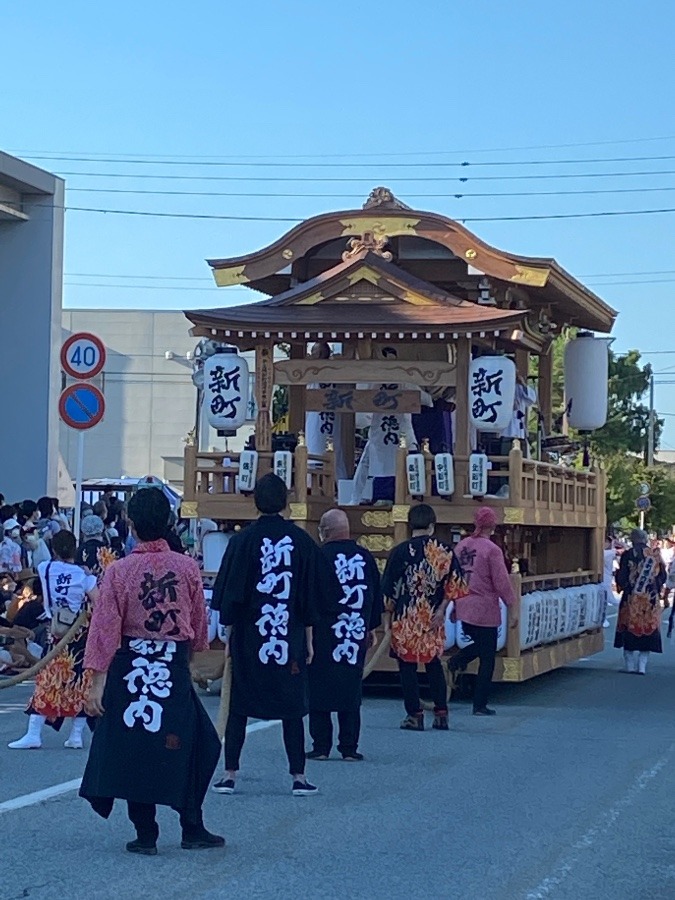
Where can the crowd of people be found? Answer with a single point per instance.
(298, 618)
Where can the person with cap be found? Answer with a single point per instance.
(483, 565)
(422, 576)
(93, 529)
(640, 578)
(10, 547)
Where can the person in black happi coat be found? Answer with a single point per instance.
(265, 593)
(351, 610)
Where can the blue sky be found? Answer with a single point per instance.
(309, 83)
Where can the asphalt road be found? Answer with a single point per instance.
(567, 793)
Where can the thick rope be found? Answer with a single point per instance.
(378, 654)
(225, 692)
(68, 637)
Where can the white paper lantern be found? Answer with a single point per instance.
(492, 392)
(462, 639)
(283, 466)
(248, 470)
(226, 389)
(478, 474)
(417, 481)
(586, 376)
(445, 474)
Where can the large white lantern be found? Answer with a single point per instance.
(226, 383)
(492, 391)
(586, 376)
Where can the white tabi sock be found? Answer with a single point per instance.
(643, 657)
(630, 660)
(32, 740)
(74, 742)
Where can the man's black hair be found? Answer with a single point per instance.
(149, 510)
(8, 512)
(270, 495)
(421, 517)
(64, 545)
(28, 507)
(46, 507)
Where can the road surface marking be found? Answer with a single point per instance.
(67, 787)
(38, 796)
(605, 822)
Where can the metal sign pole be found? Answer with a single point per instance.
(79, 474)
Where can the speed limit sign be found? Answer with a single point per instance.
(82, 355)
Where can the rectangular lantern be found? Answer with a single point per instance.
(417, 481)
(478, 474)
(248, 470)
(445, 474)
(283, 466)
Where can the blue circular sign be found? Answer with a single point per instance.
(81, 406)
(643, 504)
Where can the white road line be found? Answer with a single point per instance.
(38, 796)
(67, 787)
(546, 887)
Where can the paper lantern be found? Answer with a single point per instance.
(478, 474)
(226, 389)
(417, 481)
(492, 392)
(445, 474)
(450, 626)
(586, 376)
(462, 639)
(248, 469)
(283, 466)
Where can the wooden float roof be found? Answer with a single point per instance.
(384, 218)
(363, 294)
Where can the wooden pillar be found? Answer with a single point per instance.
(545, 389)
(401, 497)
(264, 389)
(189, 474)
(462, 448)
(297, 395)
(523, 363)
(300, 470)
(513, 617)
(516, 474)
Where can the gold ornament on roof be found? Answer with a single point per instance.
(381, 197)
(368, 241)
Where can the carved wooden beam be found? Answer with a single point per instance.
(377, 371)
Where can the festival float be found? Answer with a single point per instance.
(412, 362)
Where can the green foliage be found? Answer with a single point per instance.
(625, 474)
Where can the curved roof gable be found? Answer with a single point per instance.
(385, 217)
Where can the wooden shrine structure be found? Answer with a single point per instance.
(387, 276)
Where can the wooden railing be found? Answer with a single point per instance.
(212, 474)
(531, 484)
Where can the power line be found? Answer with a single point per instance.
(357, 165)
(207, 278)
(351, 155)
(364, 180)
(584, 192)
(540, 217)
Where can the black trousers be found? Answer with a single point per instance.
(294, 742)
(321, 731)
(142, 817)
(411, 686)
(484, 648)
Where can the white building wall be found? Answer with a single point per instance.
(31, 279)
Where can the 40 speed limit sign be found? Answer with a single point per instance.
(82, 355)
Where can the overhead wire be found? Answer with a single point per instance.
(350, 155)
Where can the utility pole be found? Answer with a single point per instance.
(650, 431)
